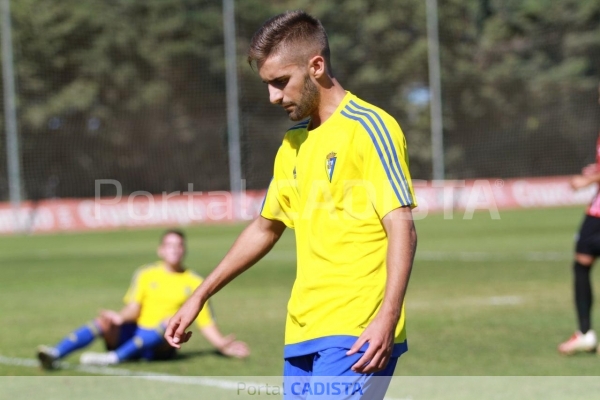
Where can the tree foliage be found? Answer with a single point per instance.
(135, 90)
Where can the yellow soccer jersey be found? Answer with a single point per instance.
(333, 185)
(161, 293)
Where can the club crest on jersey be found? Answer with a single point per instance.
(330, 164)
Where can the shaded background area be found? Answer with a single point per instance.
(134, 90)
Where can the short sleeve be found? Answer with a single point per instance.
(279, 200)
(135, 292)
(205, 318)
(385, 167)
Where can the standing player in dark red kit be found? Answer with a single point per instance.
(586, 251)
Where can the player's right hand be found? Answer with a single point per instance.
(175, 333)
(579, 182)
(112, 316)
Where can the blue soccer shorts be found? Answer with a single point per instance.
(327, 375)
(149, 344)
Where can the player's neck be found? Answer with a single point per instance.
(331, 97)
(174, 267)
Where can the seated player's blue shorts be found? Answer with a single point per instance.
(148, 344)
(327, 375)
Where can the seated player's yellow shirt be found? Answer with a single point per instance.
(161, 293)
(334, 185)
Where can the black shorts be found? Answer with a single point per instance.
(588, 240)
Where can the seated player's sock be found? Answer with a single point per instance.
(583, 295)
(143, 339)
(77, 339)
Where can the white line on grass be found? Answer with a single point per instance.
(465, 256)
(505, 300)
(111, 371)
(135, 249)
(466, 302)
(153, 376)
(480, 256)
(290, 255)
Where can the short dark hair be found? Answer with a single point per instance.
(288, 29)
(172, 232)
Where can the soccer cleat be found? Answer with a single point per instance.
(48, 357)
(91, 358)
(579, 342)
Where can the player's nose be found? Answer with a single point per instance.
(275, 95)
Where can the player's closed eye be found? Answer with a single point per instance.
(280, 82)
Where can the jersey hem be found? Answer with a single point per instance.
(343, 341)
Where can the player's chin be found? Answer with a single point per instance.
(174, 260)
(294, 116)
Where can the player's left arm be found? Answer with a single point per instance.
(256, 240)
(380, 333)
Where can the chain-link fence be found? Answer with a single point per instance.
(135, 90)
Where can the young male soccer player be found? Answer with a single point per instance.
(156, 293)
(341, 181)
(586, 251)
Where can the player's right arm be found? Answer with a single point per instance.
(133, 300)
(581, 181)
(590, 169)
(129, 313)
(252, 244)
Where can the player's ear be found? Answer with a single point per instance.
(317, 66)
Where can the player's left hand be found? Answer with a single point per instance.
(380, 336)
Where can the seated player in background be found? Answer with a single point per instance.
(587, 249)
(157, 291)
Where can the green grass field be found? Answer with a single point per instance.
(487, 297)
